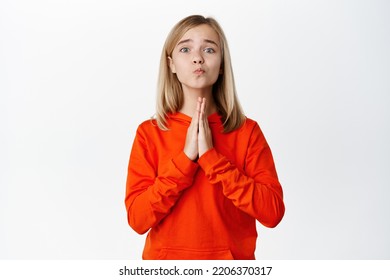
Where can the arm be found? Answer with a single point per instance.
(150, 196)
(255, 190)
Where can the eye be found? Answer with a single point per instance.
(184, 50)
(209, 50)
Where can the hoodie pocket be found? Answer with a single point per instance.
(191, 254)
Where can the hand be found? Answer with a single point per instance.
(191, 145)
(199, 139)
(205, 138)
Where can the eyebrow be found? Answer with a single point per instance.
(190, 40)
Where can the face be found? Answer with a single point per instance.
(196, 59)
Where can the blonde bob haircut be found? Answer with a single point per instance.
(169, 89)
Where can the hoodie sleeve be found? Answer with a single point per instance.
(150, 196)
(255, 190)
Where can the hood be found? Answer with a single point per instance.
(214, 119)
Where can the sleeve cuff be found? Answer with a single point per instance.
(208, 160)
(186, 166)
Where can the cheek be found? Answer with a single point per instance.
(218, 63)
(217, 67)
(180, 74)
(177, 69)
(179, 65)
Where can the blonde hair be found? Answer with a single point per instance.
(169, 90)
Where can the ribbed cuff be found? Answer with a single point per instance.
(186, 166)
(208, 159)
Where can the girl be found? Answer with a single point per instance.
(200, 173)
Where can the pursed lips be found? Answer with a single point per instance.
(199, 71)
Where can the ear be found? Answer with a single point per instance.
(171, 64)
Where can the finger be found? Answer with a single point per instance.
(199, 105)
(195, 117)
(197, 112)
(203, 109)
(203, 105)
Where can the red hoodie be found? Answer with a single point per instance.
(205, 209)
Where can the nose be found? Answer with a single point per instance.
(197, 59)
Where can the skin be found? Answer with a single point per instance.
(199, 139)
(196, 60)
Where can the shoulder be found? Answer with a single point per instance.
(249, 125)
(148, 124)
(249, 122)
(146, 127)
(251, 128)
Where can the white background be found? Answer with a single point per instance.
(77, 77)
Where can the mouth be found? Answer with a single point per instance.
(199, 71)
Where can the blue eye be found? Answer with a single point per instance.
(184, 50)
(209, 50)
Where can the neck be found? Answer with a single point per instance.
(191, 99)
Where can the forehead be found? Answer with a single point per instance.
(201, 32)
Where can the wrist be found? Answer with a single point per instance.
(191, 156)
